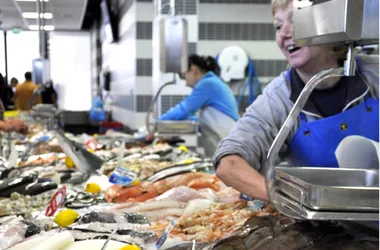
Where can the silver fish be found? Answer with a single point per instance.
(84, 160)
(181, 169)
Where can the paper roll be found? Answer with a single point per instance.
(358, 152)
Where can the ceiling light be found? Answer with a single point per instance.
(34, 15)
(46, 27)
(49, 27)
(33, 27)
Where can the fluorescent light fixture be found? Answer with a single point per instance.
(34, 15)
(46, 27)
(49, 27)
(33, 27)
(31, 0)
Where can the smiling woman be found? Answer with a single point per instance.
(340, 108)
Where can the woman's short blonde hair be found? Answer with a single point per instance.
(279, 4)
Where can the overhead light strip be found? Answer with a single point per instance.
(46, 27)
(34, 15)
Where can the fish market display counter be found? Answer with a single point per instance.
(144, 196)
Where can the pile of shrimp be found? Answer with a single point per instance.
(146, 190)
(212, 223)
(43, 159)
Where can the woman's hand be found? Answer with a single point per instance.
(16, 125)
(150, 136)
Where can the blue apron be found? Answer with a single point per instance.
(315, 142)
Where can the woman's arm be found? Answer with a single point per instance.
(241, 156)
(234, 171)
(4, 126)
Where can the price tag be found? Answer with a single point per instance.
(56, 201)
(165, 235)
(246, 197)
(122, 176)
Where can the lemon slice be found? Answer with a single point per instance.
(69, 163)
(187, 161)
(93, 188)
(66, 217)
(183, 148)
(130, 247)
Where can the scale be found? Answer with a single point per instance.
(171, 42)
(326, 193)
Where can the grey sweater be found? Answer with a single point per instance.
(254, 133)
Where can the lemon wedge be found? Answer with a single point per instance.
(66, 217)
(93, 188)
(187, 161)
(69, 163)
(183, 148)
(130, 247)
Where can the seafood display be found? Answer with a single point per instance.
(144, 167)
(146, 190)
(21, 205)
(278, 232)
(71, 192)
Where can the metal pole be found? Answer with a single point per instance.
(43, 32)
(40, 24)
(349, 64)
(6, 56)
(172, 7)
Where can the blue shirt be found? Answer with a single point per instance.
(209, 91)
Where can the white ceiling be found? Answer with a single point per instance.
(67, 14)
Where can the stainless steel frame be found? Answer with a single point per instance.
(176, 127)
(340, 189)
(337, 21)
(283, 134)
(296, 211)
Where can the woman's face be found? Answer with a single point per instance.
(191, 76)
(303, 58)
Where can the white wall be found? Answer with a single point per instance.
(2, 55)
(70, 62)
(22, 49)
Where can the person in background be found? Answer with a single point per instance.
(49, 95)
(4, 93)
(24, 93)
(12, 125)
(13, 86)
(337, 109)
(211, 96)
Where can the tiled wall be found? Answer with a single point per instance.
(213, 25)
(251, 28)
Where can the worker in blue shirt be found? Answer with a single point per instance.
(212, 97)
